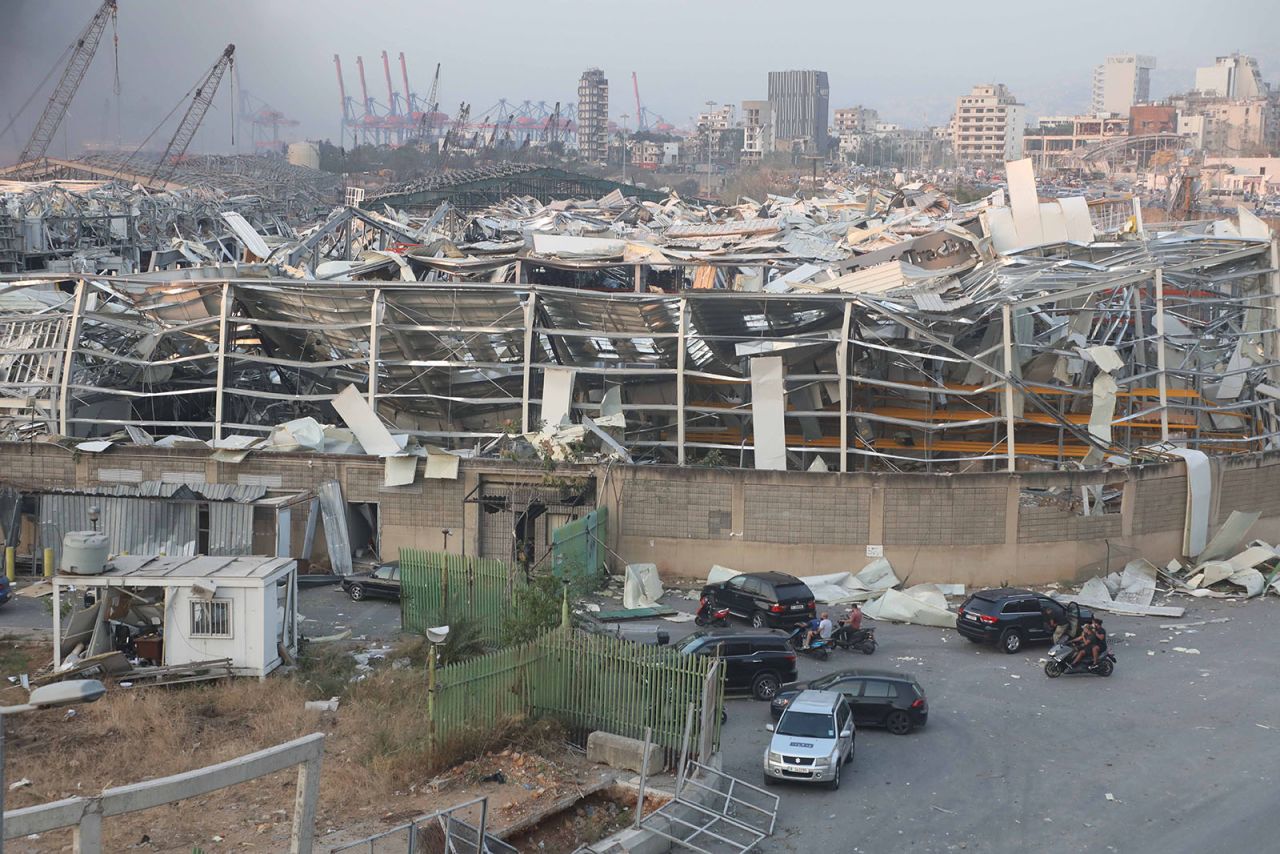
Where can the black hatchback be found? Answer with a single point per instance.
(757, 661)
(888, 698)
(1010, 617)
(765, 599)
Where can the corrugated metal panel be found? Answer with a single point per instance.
(230, 528)
(240, 493)
(132, 525)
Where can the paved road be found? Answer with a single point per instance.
(1012, 760)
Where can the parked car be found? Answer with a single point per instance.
(758, 661)
(6, 589)
(1011, 617)
(765, 599)
(383, 583)
(812, 740)
(888, 698)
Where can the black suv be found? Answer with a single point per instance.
(1011, 617)
(759, 662)
(888, 698)
(764, 598)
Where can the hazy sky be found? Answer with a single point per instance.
(909, 60)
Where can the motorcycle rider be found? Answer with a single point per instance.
(825, 626)
(811, 631)
(854, 620)
(1089, 642)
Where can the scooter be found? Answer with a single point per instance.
(863, 640)
(1060, 662)
(708, 616)
(818, 647)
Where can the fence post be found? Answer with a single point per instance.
(644, 774)
(684, 749)
(304, 807)
(87, 836)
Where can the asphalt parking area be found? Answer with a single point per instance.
(1187, 746)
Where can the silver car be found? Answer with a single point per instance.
(812, 740)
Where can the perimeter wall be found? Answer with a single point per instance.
(978, 529)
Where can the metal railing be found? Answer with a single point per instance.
(443, 832)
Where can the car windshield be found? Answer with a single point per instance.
(807, 724)
(829, 679)
(690, 644)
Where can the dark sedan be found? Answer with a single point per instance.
(887, 698)
(382, 583)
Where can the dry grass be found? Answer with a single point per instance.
(376, 753)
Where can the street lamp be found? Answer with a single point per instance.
(66, 693)
(94, 515)
(435, 635)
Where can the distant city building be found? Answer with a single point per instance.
(1120, 82)
(757, 130)
(1234, 76)
(799, 102)
(1055, 137)
(593, 116)
(1146, 119)
(857, 119)
(988, 125)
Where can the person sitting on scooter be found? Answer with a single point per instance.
(1085, 643)
(1099, 640)
(811, 631)
(854, 620)
(825, 626)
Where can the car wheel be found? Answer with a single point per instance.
(835, 781)
(356, 592)
(1106, 668)
(765, 686)
(898, 722)
(1052, 669)
(1011, 641)
(758, 620)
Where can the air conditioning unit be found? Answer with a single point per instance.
(84, 553)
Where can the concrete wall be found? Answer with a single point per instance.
(970, 528)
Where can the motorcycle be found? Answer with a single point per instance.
(708, 616)
(863, 640)
(818, 648)
(1060, 662)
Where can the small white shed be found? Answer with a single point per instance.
(203, 608)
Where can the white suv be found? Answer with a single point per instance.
(812, 739)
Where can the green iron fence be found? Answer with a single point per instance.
(437, 588)
(578, 551)
(590, 682)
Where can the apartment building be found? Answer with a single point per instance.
(988, 125)
(857, 119)
(593, 116)
(1234, 76)
(800, 102)
(1120, 82)
(757, 131)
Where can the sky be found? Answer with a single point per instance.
(910, 61)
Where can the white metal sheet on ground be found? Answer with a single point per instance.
(898, 607)
(1053, 223)
(1024, 201)
(1001, 230)
(1230, 535)
(641, 587)
(768, 414)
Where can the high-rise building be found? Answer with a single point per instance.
(799, 101)
(988, 125)
(1122, 81)
(1234, 76)
(857, 119)
(593, 116)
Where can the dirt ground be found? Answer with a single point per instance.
(377, 770)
